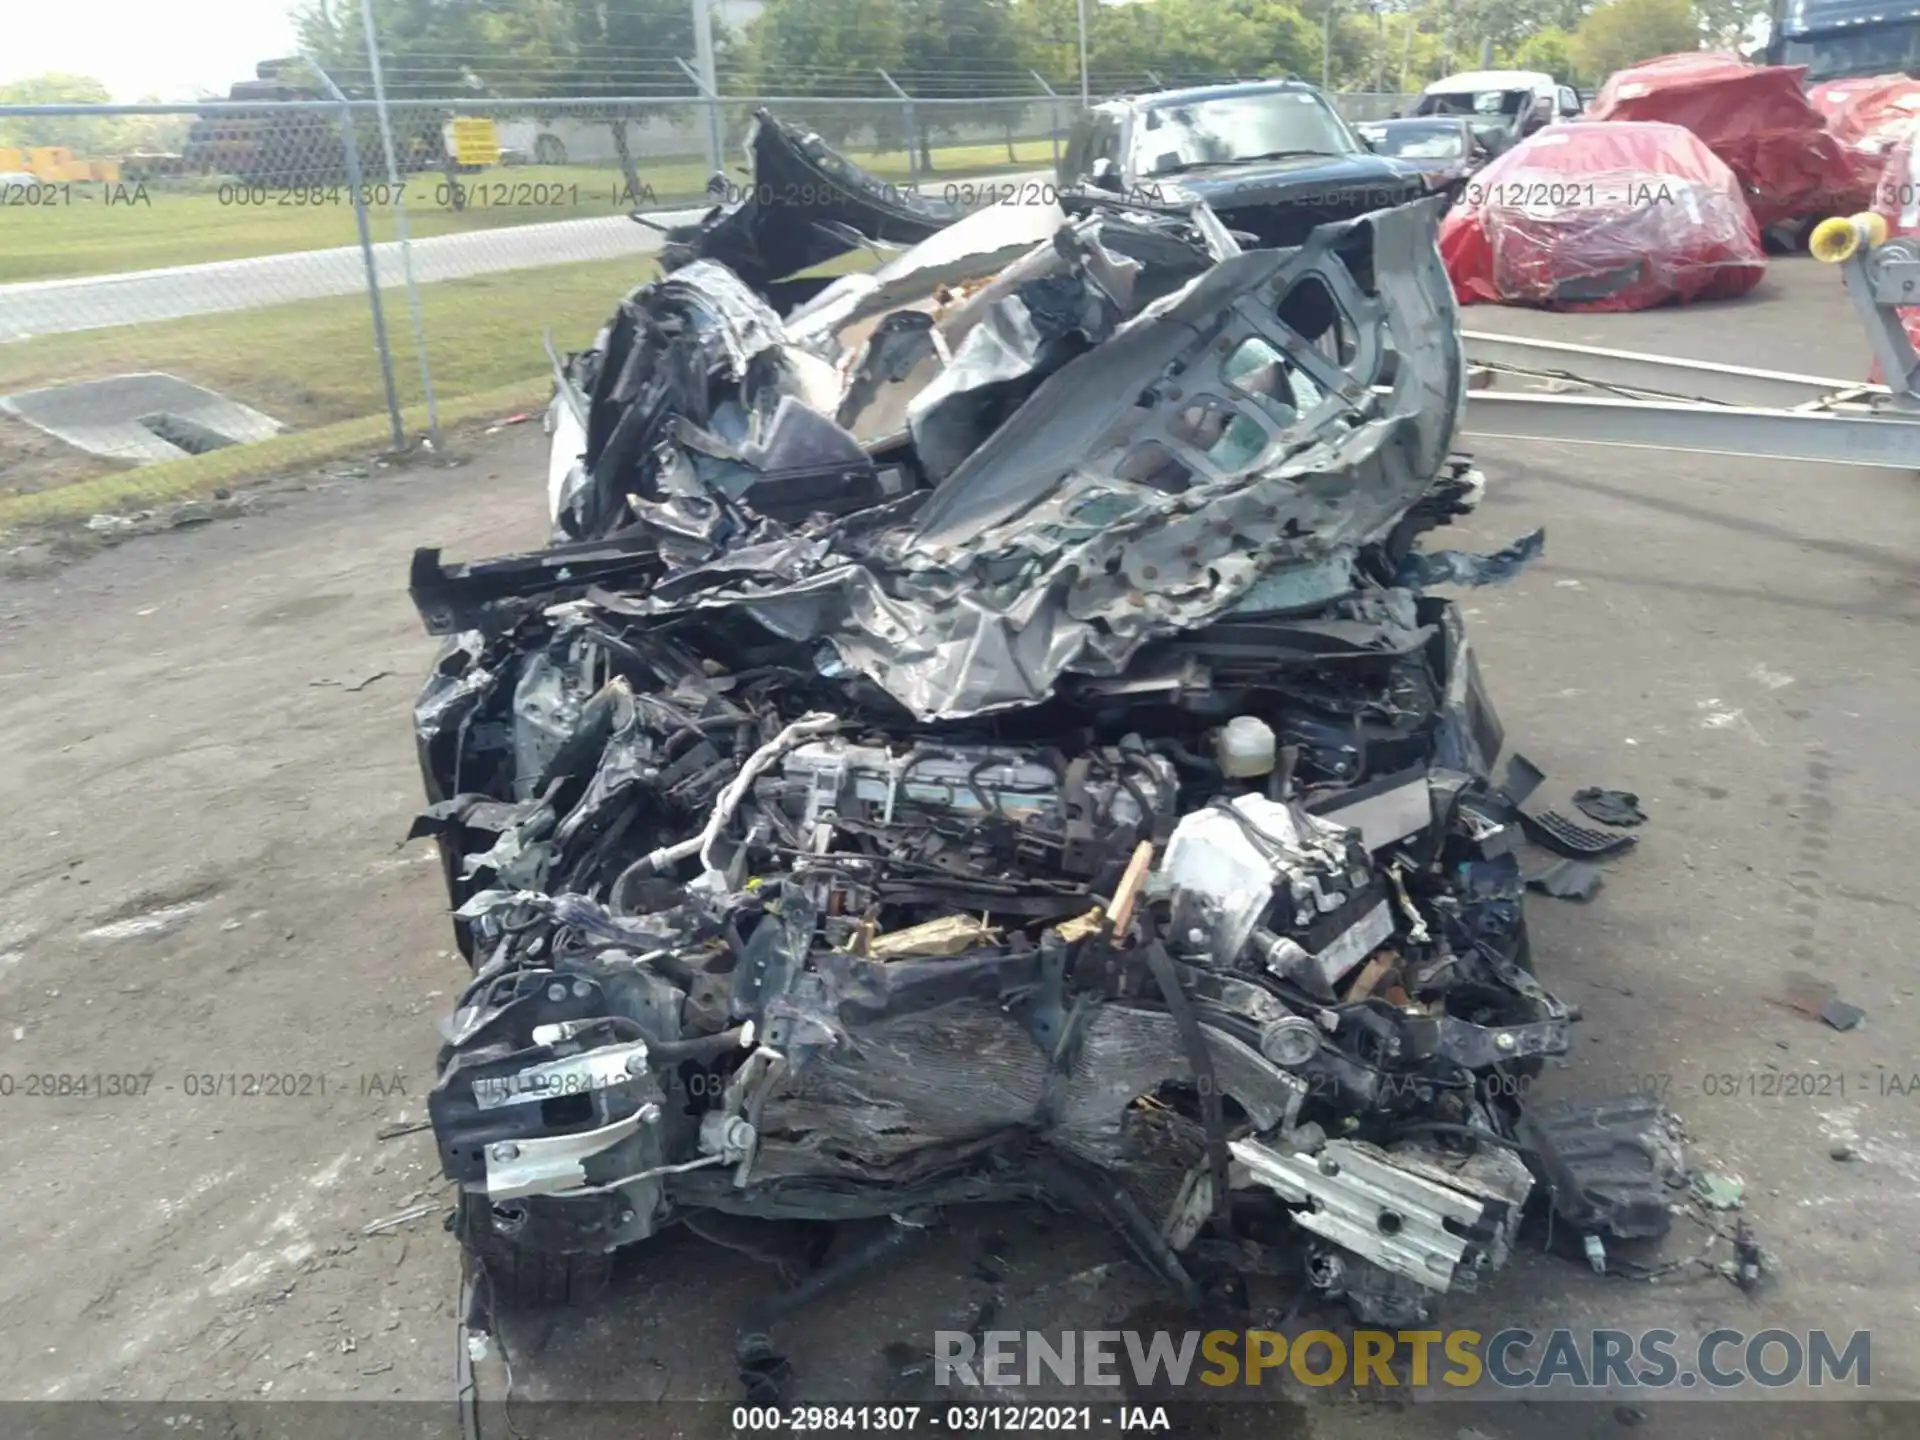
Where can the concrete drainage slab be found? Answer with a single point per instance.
(143, 418)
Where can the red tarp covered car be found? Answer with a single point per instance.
(1590, 216)
(1754, 117)
(1868, 113)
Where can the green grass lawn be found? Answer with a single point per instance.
(91, 235)
(312, 364)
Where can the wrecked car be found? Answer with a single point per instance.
(986, 733)
(1271, 158)
(806, 204)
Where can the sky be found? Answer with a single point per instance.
(169, 49)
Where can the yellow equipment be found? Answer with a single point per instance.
(1840, 237)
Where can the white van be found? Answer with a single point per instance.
(1503, 105)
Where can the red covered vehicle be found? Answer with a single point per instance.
(1832, 97)
(1591, 216)
(1754, 117)
(1868, 113)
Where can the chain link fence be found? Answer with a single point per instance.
(190, 294)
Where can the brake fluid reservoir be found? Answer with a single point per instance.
(1244, 748)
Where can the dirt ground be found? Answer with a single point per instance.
(211, 927)
(31, 462)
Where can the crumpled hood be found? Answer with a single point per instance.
(1171, 461)
(1356, 183)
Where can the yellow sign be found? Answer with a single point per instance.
(476, 141)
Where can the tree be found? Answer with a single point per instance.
(962, 47)
(153, 134)
(830, 48)
(448, 49)
(1622, 32)
(1439, 47)
(576, 47)
(1169, 42)
(1357, 41)
(1235, 37)
(1120, 43)
(83, 135)
(1506, 23)
(956, 49)
(426, 46)
(1550, 52)
(1725, 22)
(507, 47)
(827, 47)
(624, 48)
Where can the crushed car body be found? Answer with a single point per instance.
(981, 734)
(806, 204)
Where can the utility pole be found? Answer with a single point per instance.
(703, 62)
(1326, 48)
(1406, 53)
(1379, 44)
(1086, 86)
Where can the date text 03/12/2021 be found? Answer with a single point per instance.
(955, 1419)
(1778, 1084)
(201, 1085)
